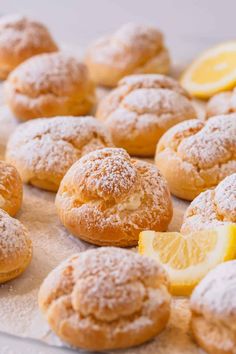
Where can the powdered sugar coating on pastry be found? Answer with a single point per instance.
(221, 103)
(107, 198)
(11, 188)
(101, 295)
(21, 38)
(213, 305)
(134, 48)
(48, 85)
(141, 109)
(200, 153)
(44, 149)
(213, 207)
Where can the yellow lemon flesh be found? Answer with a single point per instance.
(188, 258)
(214, 71)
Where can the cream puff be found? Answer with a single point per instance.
(20, 39)
(141, 109)
(132, 49)
(213, 304)
(15, 248)
(43, 150)
(106, 198)
(212, 208)
(11, 188)
(48, 85)
(196, 155)
(106, 298)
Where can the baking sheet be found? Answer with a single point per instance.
(52, 243)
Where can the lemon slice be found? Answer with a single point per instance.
(188, 258)
(214, 71)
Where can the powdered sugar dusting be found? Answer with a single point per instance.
(14, 242)
(213, 207)
(51, 146)
(215, 296)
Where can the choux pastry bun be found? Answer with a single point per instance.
(44, 149)
(20, 39)
(106, 298)
(213, 304)
(15, 247)
(133, 49)
(213, 207)
(48, 85)
(106, 198)
(11, 188)
(140, 110)
(221, 103)
(196, 155)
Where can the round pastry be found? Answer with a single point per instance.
(132, 49)
(15, 247)
(43, 150)
(106, 198)
(221, 103)
(196, 155)
(213, 305)
(11, 189)
(106, 298)
(212, 208)
(20, 39)
(48, 85)
(141, 109)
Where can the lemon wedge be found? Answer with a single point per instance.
(188, 258)
(214, 71)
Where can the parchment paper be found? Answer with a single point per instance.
(19, 312)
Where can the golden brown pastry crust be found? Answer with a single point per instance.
(133, 49)
(11, 188)
(212, 208)
(106, 198)
(213, 310)
(141, 109)
(221, 103)
(195, 155)
(20, 39)
(106, 298)
(44, 149)
(15, 248)
(48, 85)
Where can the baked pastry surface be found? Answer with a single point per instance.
(15, 247)
(106, 298)
(44, 149)
(213, 304)
(141, 109)
(11, 188)
(133, 49)
(196, 155)
(106, 198)
(48, 85)
(221, 103)
(213, 207)
(20, 39)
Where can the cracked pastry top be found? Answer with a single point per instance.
(132, 49)
(107, 198)
(48, 85)
(196, 155)
(15, 247)
(213, 305)
(44, 149)
(141, 109)
(221, 103)
(212, 208)
(106, 298)
(11, 188)
(20, 39)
